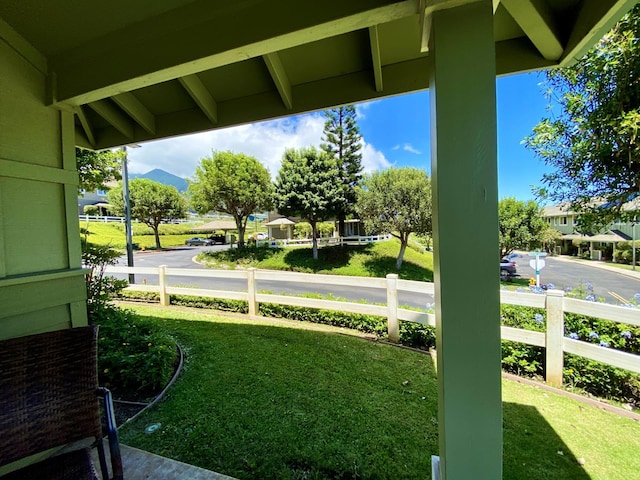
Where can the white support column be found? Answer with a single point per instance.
(162, 276)
(465, 201)
(251, 292)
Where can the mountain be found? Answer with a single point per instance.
(162, 176)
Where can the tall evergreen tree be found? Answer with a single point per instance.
(342, 140)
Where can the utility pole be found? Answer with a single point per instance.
(127, 213)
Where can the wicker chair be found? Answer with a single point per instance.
(49, 397)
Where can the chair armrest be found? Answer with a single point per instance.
(112, 432)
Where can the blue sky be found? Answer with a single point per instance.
(395, 132)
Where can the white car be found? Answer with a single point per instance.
(261, 236)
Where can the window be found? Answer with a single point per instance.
(563, 220)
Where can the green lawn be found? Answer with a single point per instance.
(373, 260)
(113, 234)
(262, 400)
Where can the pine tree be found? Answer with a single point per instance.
(342, 140)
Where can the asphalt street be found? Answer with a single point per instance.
(561, 273)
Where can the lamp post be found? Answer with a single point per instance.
(127, 213)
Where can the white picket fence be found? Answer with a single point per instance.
(354, 240)
(554, 302)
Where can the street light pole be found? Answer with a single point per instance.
(127, 213)
(633, 244)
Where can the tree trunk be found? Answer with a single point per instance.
(404, 239)
(157, 235)
(314, 239)
(241, 229)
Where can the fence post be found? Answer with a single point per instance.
(251, 292)
(162, 275)
(393, 327)
(554, 337)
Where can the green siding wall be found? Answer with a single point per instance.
(41, 283)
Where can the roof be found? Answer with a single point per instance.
(279, 221)
(216, 225)
(138, 71)
(611, 236)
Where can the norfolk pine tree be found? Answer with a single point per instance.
(398, 201)
(343, 142)
(151, 202)
(306, 187)
(232, 183)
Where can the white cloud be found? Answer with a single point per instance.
(266, 141)
(407, 147)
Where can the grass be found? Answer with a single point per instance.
(373, 260)
(262, 400)
(113, 234)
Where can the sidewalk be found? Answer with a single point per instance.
(600, 265)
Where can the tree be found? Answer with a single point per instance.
(593, 143)
(343, 141)
(398, 201)
(307, 187)
(96, 169)
(150, 203)
(232, 183)
(521, 225)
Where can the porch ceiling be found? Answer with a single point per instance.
(136, 71)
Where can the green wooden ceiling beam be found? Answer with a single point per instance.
(198, 40)
(538, 23)
(136, 110)
(595, 19)
(374, 40)
(114, 116)
(86, 126)
(199, 93)
(279, 77)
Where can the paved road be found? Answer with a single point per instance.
(183, 258)
(564, 272)
(561, 272)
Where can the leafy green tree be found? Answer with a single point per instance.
(307, 187)
(592, 143)
(521, 225)
(343, 141)
(232, 183)
(150, 203)
(96, 169)
(398, 201)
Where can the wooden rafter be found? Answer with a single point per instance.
(86, 126)
(375, 57)
(280, 78)
(136, 110)
(538, 23)
(199, 93)
(115, 117)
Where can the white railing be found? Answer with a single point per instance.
(554, 302)
(354, 240)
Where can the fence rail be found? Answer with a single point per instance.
(554, 302)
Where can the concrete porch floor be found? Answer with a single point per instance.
(141, 465)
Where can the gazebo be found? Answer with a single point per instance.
(281, 228)
(107, 74)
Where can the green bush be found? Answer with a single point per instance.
(134, 357)
(623, 253)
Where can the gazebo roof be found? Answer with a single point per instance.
(137, 71)
(278, 222)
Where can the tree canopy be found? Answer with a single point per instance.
(398, 201)
(307, 187)
(96, 169)
(342, 140)
(521, 225)
(232, 183)
(150, 202)
(592, 141)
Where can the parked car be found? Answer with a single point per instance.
(507, 269)
(198, 241)
(261, 236)
(218, 238)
